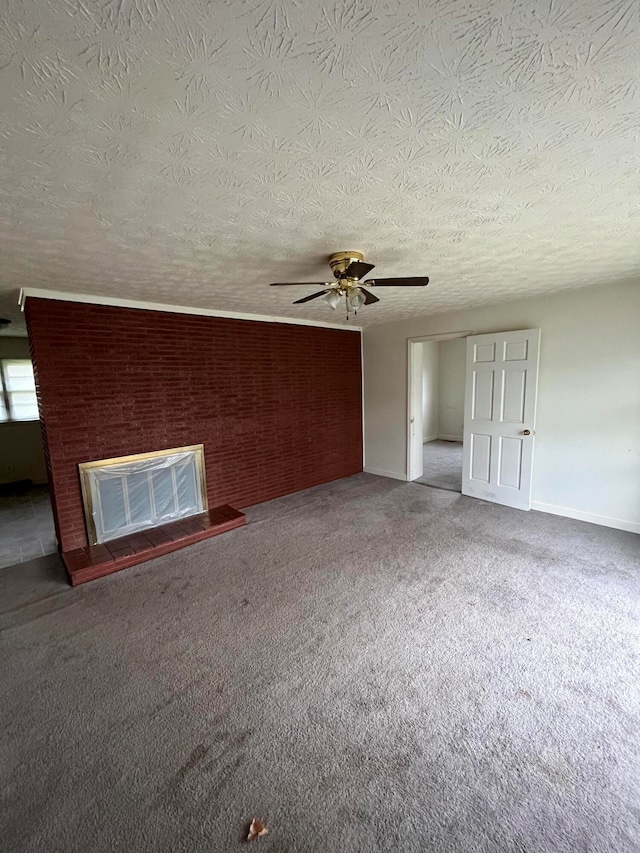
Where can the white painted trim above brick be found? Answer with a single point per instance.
(592, 518)
(41, 293)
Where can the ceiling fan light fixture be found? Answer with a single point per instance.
(332, 298)
(356, 299)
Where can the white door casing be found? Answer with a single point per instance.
(415, 413)
(415, 441)
(499, 417)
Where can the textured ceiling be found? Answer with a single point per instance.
(192, 151)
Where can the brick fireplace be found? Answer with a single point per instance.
(277, 407)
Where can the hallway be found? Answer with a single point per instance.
(442, 465)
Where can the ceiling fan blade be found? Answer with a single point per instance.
(309, 298)
(298, 283)
(369, 298)
(357, 269)
(422, 281)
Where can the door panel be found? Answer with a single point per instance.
(500, 405)
(480, 457)
(483, 395)
(510, 462)
(516, 350)
(484, 353)
(514, 383)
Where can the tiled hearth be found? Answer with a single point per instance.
(95, 561)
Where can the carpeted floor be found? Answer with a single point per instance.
(368, 666)
(442, 465)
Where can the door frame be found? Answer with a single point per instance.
(412, 399)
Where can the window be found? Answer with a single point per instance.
(17, 391)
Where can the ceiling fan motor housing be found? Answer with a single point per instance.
(340, 261)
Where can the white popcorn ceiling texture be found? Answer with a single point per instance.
(191, 152)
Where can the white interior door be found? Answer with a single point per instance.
(499, 416)
(416, 460)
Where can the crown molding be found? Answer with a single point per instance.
(115, 302)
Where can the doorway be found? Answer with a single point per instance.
(498, 424)
(26, 519)
(438, 416)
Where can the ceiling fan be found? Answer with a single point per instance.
(349, 268)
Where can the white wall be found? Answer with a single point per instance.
(430, 390)
(587, 451)
(21, 454)
(451, 388)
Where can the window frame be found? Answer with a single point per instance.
(5, 394)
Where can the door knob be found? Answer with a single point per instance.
(526, 432)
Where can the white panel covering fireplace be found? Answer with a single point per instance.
(128, 494)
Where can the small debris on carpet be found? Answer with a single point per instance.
(256, 830)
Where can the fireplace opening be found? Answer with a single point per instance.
(132, 493)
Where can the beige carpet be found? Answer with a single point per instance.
(367, 666)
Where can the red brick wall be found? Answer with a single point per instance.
(277, 407)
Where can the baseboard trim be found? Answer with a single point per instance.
(592, 518)
(429, 438)
(380, 473)
(449, 437)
